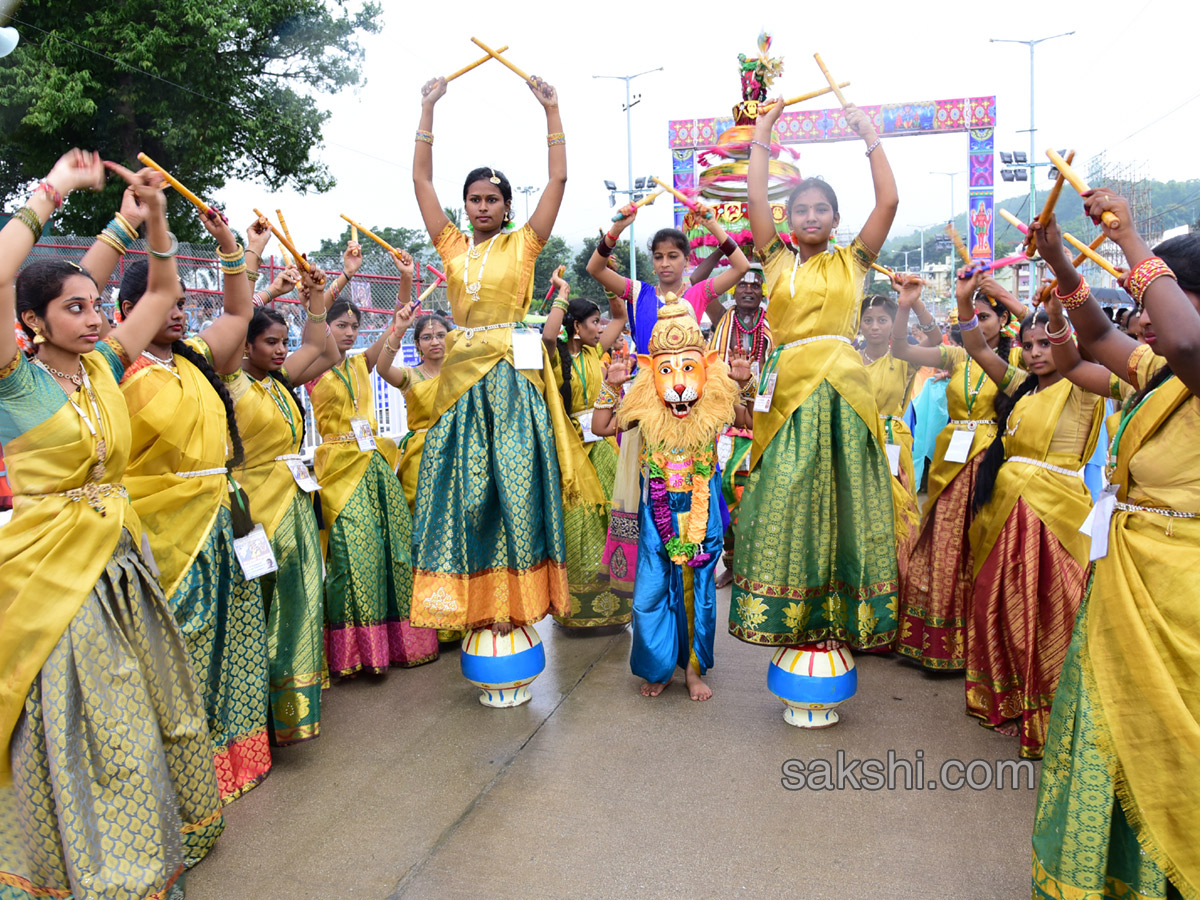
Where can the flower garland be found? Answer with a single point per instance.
(681, 550)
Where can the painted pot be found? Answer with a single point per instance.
(503, 667)
(812, 683)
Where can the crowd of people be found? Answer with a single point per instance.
(176, 593)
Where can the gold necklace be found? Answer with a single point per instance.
(96, 475)
(76, 379)
(474, 252)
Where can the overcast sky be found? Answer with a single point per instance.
(1127, 65)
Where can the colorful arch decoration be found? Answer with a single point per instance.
(974, 115)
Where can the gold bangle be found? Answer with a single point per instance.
(394, 350)
(124, 223)
(425, 136)
(105, 238)
(236, 253)
(313, 317)
(555, 137)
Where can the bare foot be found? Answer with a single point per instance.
(653, 689)
(696, 686)
(1010, 728)
(503, 629)
(829, 645)
(725, 579)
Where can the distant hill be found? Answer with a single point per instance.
(1173, 203)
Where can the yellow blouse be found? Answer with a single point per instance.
(179, 428)
(271, 426)
(817, 300)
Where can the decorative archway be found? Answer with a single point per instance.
(974, 115)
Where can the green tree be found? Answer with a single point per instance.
(210, 89)
(556, 253)
(415, 241)
(584, 285)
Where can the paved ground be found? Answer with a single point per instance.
(414, 790)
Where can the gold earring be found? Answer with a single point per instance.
(37, 337)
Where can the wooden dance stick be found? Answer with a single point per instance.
(1076, 262)
(1013, 221)
(1081, 186)
(283, 239)
(174, 182)
(802, 97)
(283, 225)
(637, 204)
(429, 290)
(833, 85)
(958, 244)
(496, 55)
(1091, 254)
(373, 236)
(479, 62)
(354, 233)
(1048, 207)
(682, 198)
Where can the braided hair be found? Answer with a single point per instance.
(263, 319)
(993, 457)
(578, 310)
(133, 287)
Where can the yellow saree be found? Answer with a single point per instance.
(177, 482)
(1125, 732)
(1030, 559)
(99, 708)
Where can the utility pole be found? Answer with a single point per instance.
(629, 104)
(1031, 44)
(526, 191)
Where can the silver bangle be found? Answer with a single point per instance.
(871, 149)
(169, 253)
(758, 143)
(930, 328)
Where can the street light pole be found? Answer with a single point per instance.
(952, 176)
(629, 156)
(1031, 44)
(526, 191)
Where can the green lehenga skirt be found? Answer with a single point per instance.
(225, 629)
(369, 580)
(816, 555)
(113, 789)
(1083, 846)
(294, 597)
(593, 603)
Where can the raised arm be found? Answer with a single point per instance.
(427, 199)
(385, 366)
(909, 289)
(597, 265)
(75, 169)
(706, 267)
(1001, 294)
(604, 412)
(558, 311)
(1176, 321)
(965, 287)
(309, 360)
(1068, 361)
(618, 317)
(1108, 346)
(351, 262)
(116, 238)
(738, 264)
(226, 337)
(758, 206)
(542, 220)
(145, 320)
(404, 263)
(887, 198)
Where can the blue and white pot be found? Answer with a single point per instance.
(811, 683)
(503, 667)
